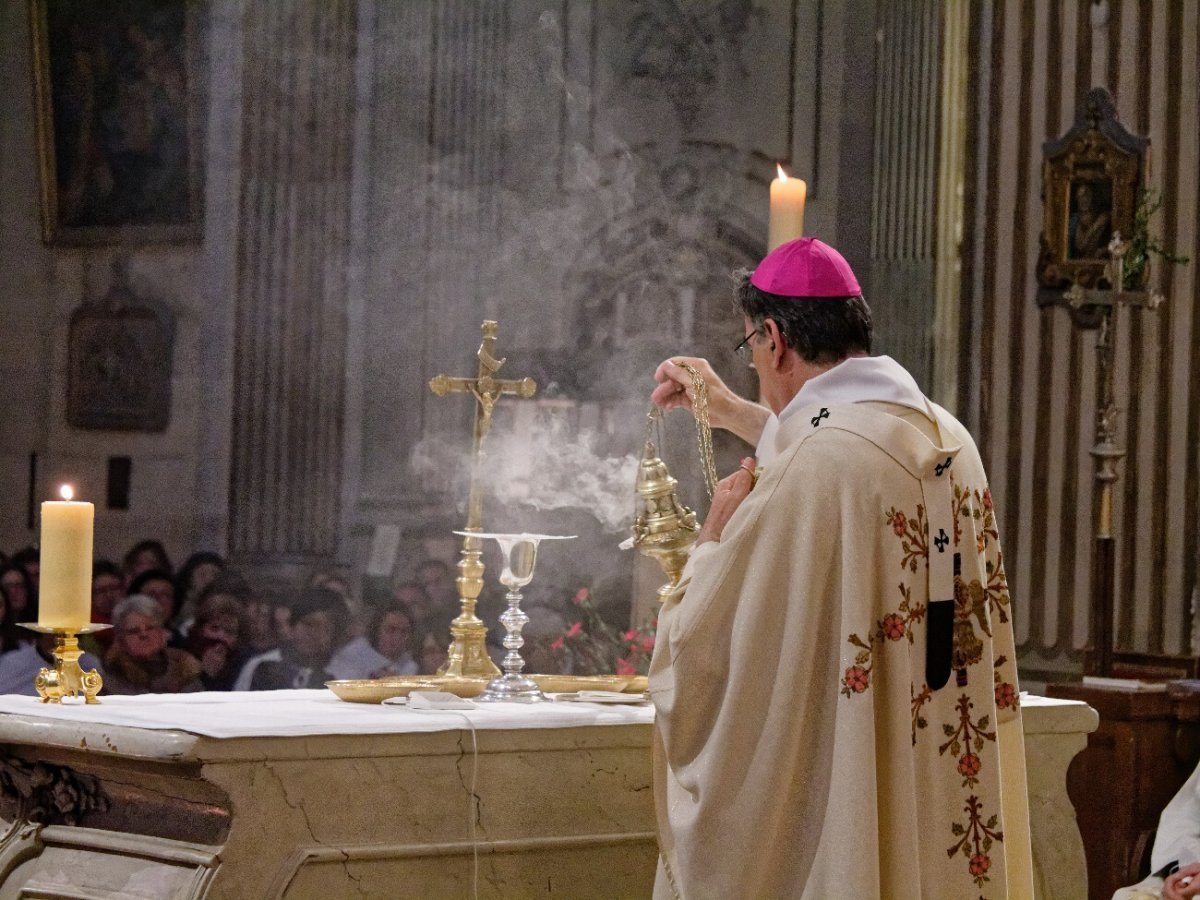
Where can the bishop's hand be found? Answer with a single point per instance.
(727, 410)
(1183, 883)
(728, 496)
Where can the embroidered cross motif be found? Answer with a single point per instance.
(941, 468)
(942, 540)
(823, 414)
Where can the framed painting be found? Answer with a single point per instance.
(119, 107)
(1091, 179)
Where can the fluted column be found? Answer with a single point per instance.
(292, 247)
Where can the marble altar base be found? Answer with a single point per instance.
(564, 811)
(295, 794)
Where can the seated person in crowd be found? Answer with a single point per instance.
(434, 652)
(30, 559)
(215, 639)
(22, 597)
(386, 648)
(159, 585)
(319, 620)
(1175, 859)
(200, 570)
(140, 662)
(146, 555)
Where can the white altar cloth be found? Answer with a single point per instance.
(298, 713)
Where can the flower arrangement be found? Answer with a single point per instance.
(1144, 243)
(593, 647)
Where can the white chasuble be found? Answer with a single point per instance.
(836, 677)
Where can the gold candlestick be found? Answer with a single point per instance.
(67, 678)
(468, 652)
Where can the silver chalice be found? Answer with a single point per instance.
(520, 558)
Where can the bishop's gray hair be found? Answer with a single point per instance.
(822, 330)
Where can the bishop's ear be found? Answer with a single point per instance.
(770, 330)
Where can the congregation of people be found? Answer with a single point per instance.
(204, 627)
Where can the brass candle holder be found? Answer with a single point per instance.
(663, 528)
(67, 678)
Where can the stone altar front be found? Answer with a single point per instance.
(296, 794)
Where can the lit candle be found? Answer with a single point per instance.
(65, 594)
(787, 210)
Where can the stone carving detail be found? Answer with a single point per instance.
(681, 46)
(48, 794)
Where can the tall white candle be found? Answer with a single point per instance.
(786, 222)
(65, 593)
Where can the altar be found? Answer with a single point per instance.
(298, 794)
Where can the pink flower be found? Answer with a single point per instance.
(893, 626)
(969, 765)
(1006, 695)
(625, 667)
(648, 644)
(575, 630)
(898, 524)
(857, 679)
(980, 864)
(631, 635)
(581, 596)
(556, 644)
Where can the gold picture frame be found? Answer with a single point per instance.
(119, 107)
(1091, 178)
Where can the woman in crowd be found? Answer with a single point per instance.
(190, 581)
(159, 584)
(146, 555)
(215, 639)
(386, 648)
(22, 598)
(140, 662)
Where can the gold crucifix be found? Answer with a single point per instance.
(468, 651)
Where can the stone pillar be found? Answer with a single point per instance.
(297, 132)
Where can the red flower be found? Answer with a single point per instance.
(1006, 695)
(969, 765)
(625, 667)
(631, 635)
(898, 524)
(857, 679)
(581, 596)
(980, 864)
(893, 626)
(574, 630)
(987, 499)
(648, 644)
(556, 644)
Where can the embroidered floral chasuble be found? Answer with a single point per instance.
(835, 684)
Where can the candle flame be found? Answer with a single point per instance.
(782, 174)
(66, 491)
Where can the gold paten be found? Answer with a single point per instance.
(67, 678)
(376, 690)
(569, 684)
(663, 528)
(468, 652)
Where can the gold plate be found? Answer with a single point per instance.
(568, 684)
(376, 690)
(638, 684)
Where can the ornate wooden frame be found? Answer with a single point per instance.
(1097, 152)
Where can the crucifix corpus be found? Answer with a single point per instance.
(1101, 304)
(468, 651)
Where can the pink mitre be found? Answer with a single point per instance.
(805, 267)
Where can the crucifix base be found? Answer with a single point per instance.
(468, 656)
